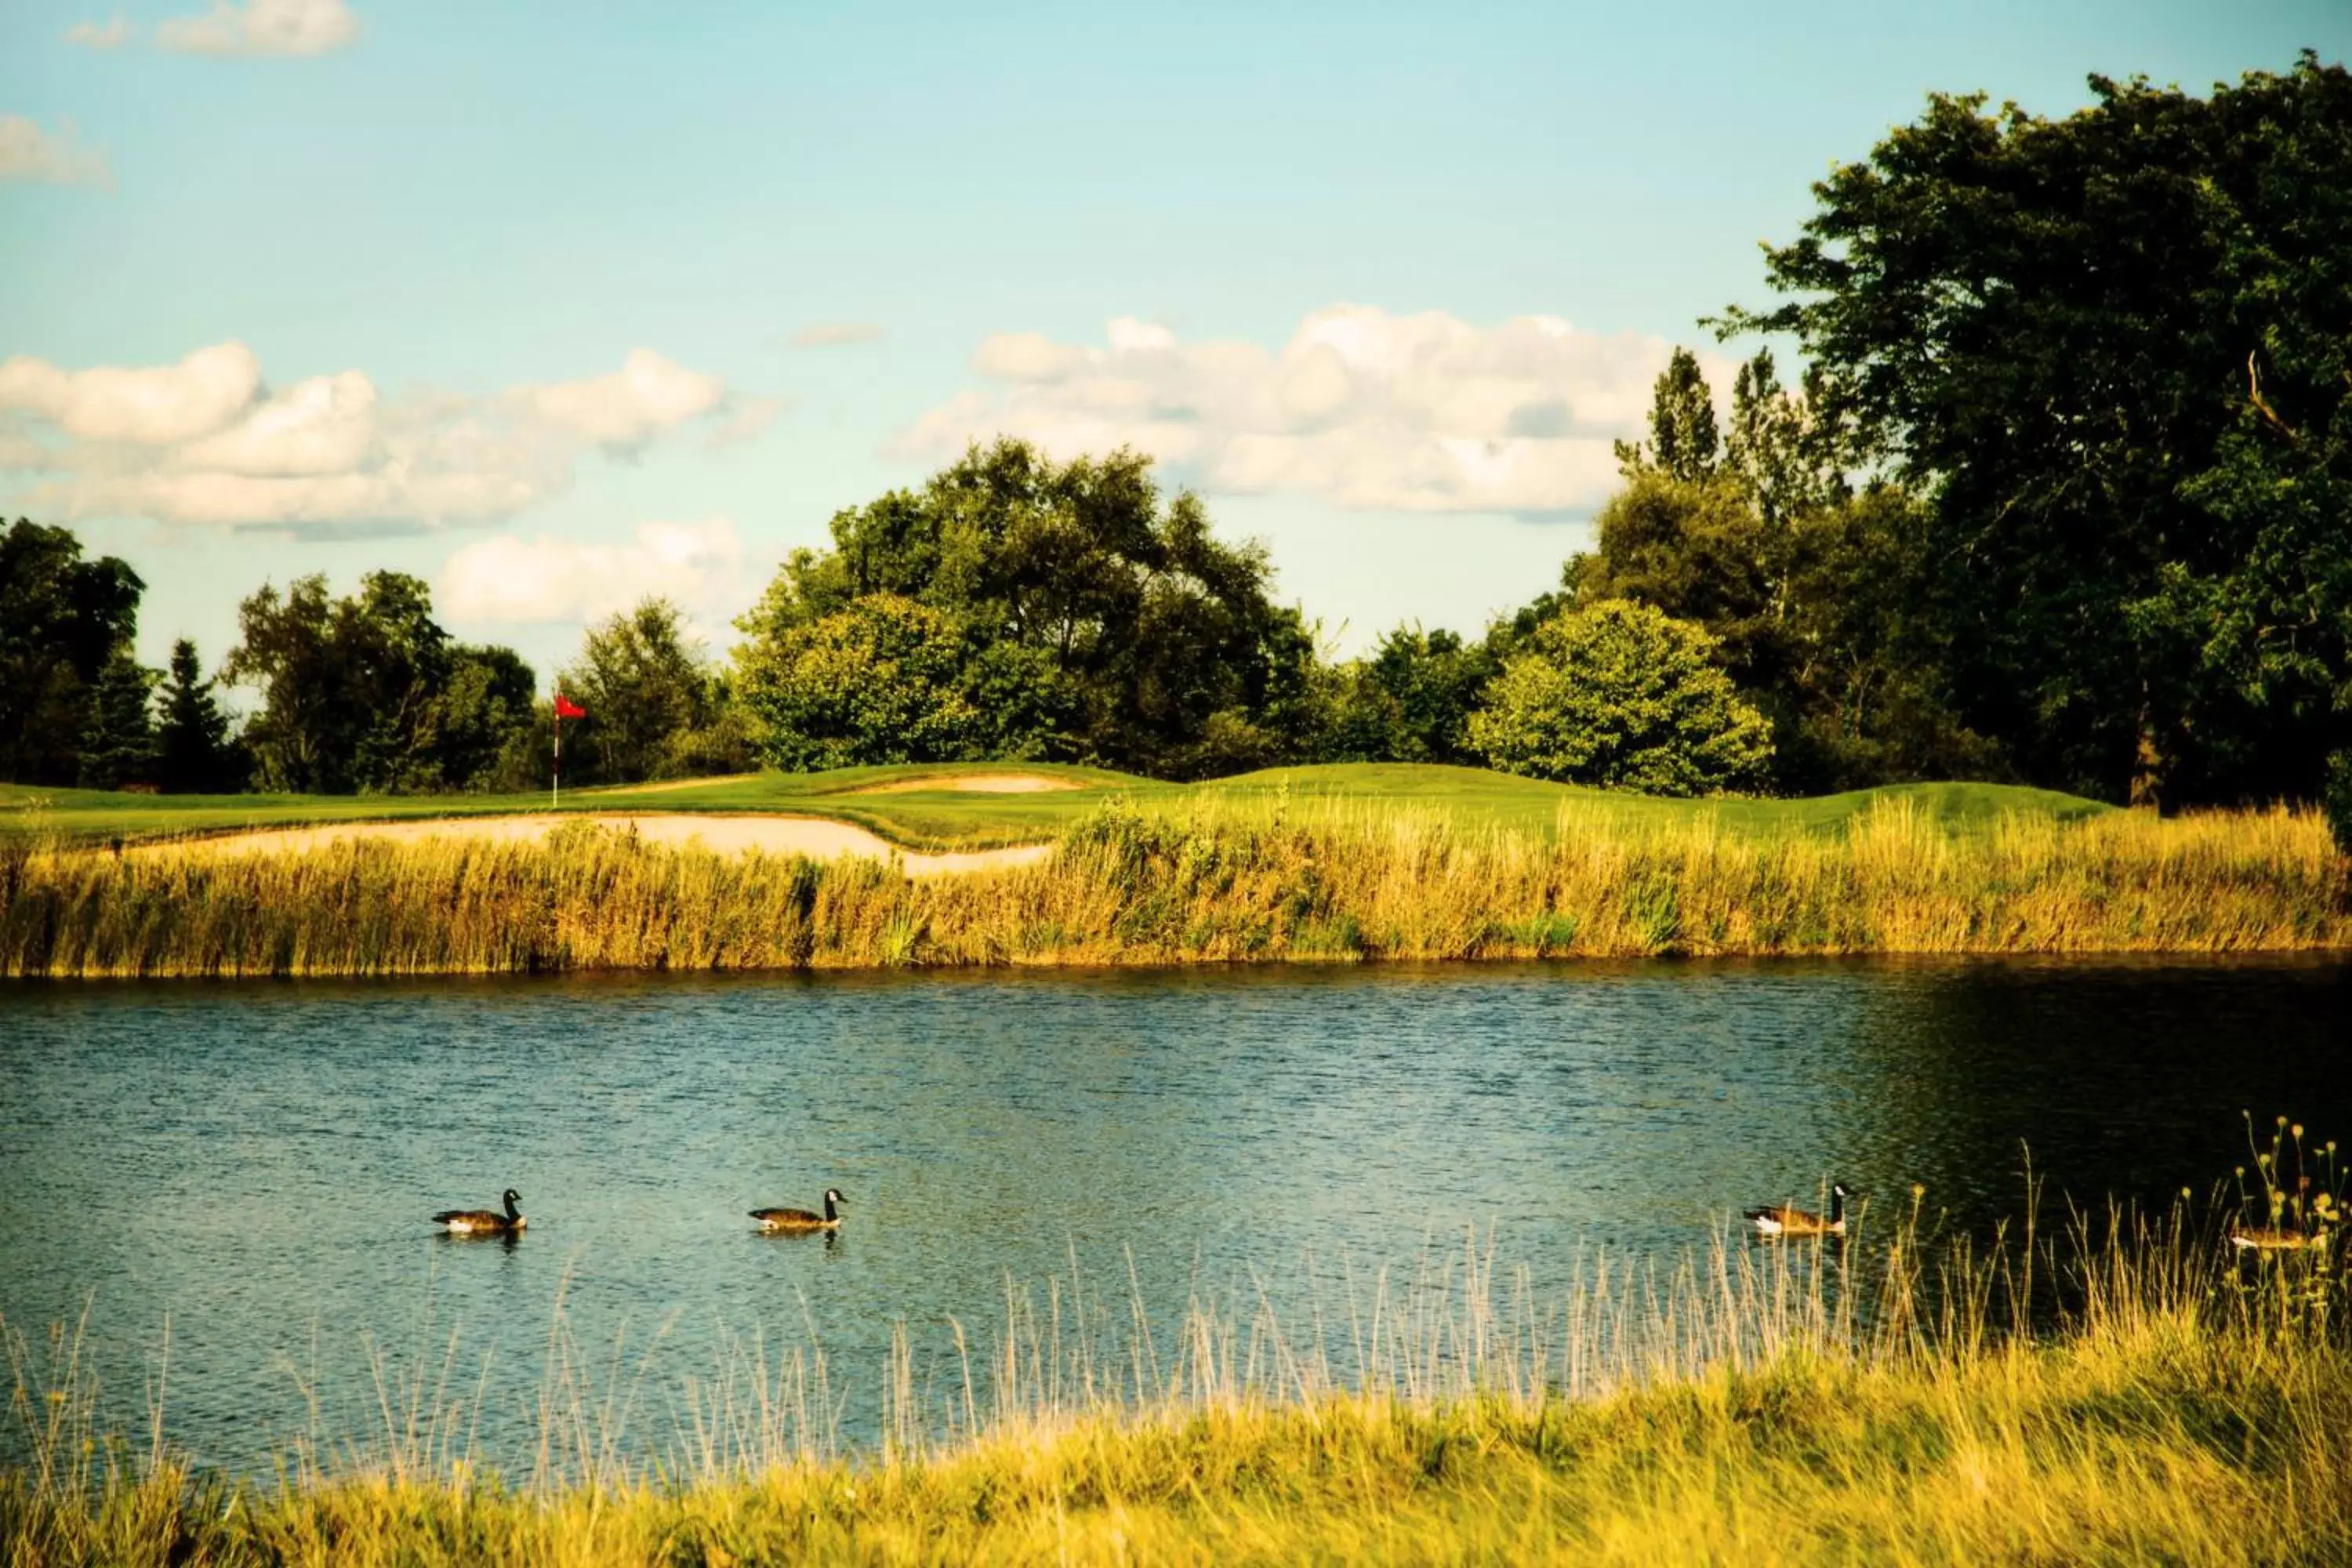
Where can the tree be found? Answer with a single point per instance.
(1091, 621)
(655, 706)
(2111, 350)
(194, 750)
(875, 681)
(1683, 440)
(1620, 695)
(1410, 700)
(117, 740)
(368, 693)
(62, 621)
(482, 713)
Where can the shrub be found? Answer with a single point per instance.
(1623, 696)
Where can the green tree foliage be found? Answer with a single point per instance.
(1809, 590)
(368, 693)
(194, 752)
(1089, 622)
(1622, 695)
(1410, 700)
(2112, 349)
(117, 740)
(879, 680)
(656, 709)
(2336, 799)
(1684, 443)
(62, 622)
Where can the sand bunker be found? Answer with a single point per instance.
(812, 835)
(976, 784)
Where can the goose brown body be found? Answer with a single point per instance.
(803, 1219)
(2273, 1238)
(1787, 1219)
(483, 1222)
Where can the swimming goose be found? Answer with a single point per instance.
(483, 1222)
(1788, 1220)
(801, 1219)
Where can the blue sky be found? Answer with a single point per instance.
(555, 304)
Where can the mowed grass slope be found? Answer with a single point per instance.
(948, 819)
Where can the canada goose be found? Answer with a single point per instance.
(801, 1219)
(1789, 1220)
(2273, 1238)
(483, 1222)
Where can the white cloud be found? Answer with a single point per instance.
(262, 28)
(29, 153)
(205, 442)
(834, 335)
(111, 35)
(148, 407)
(648, 395)
(1366, 409)
(324, 426)
(509, 579)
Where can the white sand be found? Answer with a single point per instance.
(810, 836)
(976, 784)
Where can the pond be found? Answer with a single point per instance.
(223, 1189)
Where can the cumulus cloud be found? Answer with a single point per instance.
(646, 395)
(261, 27)
(29, 153)
(146, 408)
(111, 35)
(1364, 408)
(834, 335)
(509, 579)
(206, 441)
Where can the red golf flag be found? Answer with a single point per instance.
(567, 708)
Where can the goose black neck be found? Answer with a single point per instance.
(1837, 1205)
(512, 1213)
(828, 1207)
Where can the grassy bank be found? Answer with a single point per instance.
(1230, 878)
(1759, 1406)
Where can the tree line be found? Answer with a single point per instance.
(2061, 498)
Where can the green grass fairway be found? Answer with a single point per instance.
(945, 817)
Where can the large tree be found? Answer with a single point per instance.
(369, 693)
(1092, 621)
(2114, 350)
(63, 620)
(656, 706)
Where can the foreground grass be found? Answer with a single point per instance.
(945, 818)
(2180, 1408)
(1232, 878)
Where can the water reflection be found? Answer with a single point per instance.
(256, 1163)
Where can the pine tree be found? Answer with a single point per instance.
(119, 745)
(194, 754)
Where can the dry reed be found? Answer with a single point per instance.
(1881, 1400)
(1207, 884)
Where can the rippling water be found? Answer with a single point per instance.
(249, 1166)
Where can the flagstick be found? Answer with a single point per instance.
(555, 779)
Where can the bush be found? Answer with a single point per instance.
(1623, 696)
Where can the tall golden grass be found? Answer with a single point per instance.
(1202, 883)
(1880, 1401)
